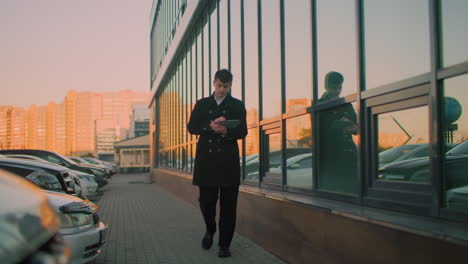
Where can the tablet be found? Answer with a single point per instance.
(230, 123)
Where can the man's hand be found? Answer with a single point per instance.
(217, 128)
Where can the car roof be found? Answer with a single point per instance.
(33, 163)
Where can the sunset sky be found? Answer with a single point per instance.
(51, 46)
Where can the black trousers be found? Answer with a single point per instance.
(228, 206)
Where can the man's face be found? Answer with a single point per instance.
(334, 89)
(220, 88)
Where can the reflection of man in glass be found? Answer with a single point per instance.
(337, 151)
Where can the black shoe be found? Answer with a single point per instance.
(224, 252)
(207, 241)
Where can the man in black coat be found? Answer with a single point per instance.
(217, 165)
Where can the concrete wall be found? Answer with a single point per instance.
(301, 234)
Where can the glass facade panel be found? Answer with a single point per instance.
(223, 34)
(271, 59)
(455, 124)
(396, 39)
(252, 160)
(298, 52)
(200, 64)
(337, 152)
(236, 52)
(251, 62)
(336, 43)
(403, 145)
(454, 36)
(206, 61)
(273, 172)
(214, 42)
(299, 151)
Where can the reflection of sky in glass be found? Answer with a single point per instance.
(271, 48)
(456, 88)
(298, 49)
(396, 39)
(251, 55)
(214, 43)
(415, 121)
(236, 49)
(223, 35)
(336, 35)
(454, 33)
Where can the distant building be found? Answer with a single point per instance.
(133, 154)
(139, 121)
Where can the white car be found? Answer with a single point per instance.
(80, 227)
(299, 171)
(87, 182)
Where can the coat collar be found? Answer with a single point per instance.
(226, 100)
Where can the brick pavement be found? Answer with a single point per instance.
(150, 225)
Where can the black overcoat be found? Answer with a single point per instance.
(217, 160)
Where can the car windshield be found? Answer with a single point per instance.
(390, 155)
(90, 161)
(460, 149)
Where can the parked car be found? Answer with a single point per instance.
(418, 169)
(47, 176)
(29, 227)
(56, 158)
(81, 161)
(80, 227)
(86, 182)
(113, 167)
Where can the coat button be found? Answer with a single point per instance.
(224, 111)
(209, 140)
(218, 140)
(219, 150)
(210, 150)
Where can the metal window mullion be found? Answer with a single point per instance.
(244, 146)
(229, 33)
(435, 131)
(202, 36)
(218, 59)
(313, 14)
(260, 66)
(209, 48)
(360, 72)
(283, 93)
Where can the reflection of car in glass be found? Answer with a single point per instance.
(274, 159)
(390, 155)
(415, 151)
(80, 226)
(299, 171)
(418, 170)
(457, 198)
(28, 226)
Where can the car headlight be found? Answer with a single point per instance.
(75, 220)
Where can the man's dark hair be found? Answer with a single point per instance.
(223, 75)
(333, 77)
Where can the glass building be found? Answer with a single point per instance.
(355, 114)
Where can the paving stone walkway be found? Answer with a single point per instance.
(150, 225)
